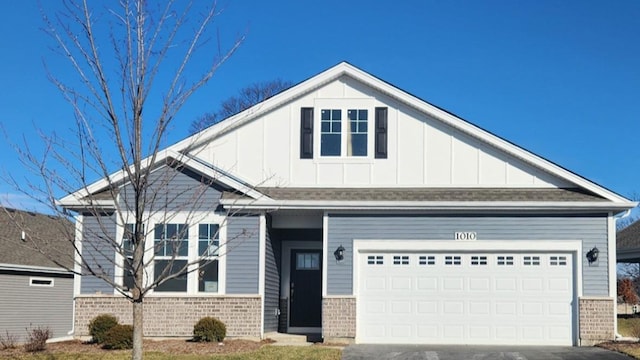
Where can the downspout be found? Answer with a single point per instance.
(615, 307)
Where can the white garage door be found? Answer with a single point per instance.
(465, 298)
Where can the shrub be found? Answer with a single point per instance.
(37, 339)
(8, 341)
(119, 337)
(100, 325)
(209, 329)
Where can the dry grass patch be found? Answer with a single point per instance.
(177, 350)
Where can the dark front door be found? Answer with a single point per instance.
(305, 289)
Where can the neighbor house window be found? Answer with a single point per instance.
(357, 134)
(38, 281)
(330, 132)
(171, 249)
(208, 250)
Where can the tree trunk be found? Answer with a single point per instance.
(136, 354)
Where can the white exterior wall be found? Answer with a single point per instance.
(422, 151)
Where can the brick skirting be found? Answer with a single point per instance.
(596, 320)
(174, 316)
(339, 318)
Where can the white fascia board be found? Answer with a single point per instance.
(413, 205)
(78, 198)
(29, 268)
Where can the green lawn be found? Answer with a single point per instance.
(264, 353)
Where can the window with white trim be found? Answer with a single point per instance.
(127, 250)
(478, 260)
(348, 137)
(330, 132)
(208, 249)
(171, 244)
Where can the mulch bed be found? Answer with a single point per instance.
(163, 346)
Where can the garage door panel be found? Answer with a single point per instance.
(445, 298)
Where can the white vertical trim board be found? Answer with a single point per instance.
(262, 253)
(611, 261)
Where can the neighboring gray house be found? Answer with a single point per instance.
(628, 243)
(36, 291)
(365, 213)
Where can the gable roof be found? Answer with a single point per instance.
(43, 233)
(345, 69)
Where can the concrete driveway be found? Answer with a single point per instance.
(461, 352)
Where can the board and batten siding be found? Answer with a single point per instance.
(271, 283)
(591, 230)
(243, 252)
(97, 233)
(173, 190)
(25, 307)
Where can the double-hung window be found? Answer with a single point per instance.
(330, 132)
(171, 244)
(208, 250)
(127, 254)
(357, 132)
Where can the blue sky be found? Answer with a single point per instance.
(559, 78)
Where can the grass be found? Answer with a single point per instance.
(264, 353)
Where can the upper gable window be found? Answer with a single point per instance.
(357, 135)
(334, 141)
(330, 132)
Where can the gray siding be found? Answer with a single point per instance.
(25, 306)
(97, 234)
(173, 190)
(272, 283)
(243, 242)
(592, 230)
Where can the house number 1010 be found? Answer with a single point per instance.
(467, 235)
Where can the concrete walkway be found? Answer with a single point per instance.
(461, 352)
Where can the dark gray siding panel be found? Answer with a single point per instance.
(271, 283)
(174, 190)
(592, 230)
(97, 233)
(25, 306)
(243, 242)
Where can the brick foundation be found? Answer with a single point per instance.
(174, 316)
(596, 320)
(339, 318)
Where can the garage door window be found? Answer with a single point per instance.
(375, 260)
(452, 260)
(558, 260)
(401, 260)
(478, 260)
(531, 260)
(427, 260)
(505, 260)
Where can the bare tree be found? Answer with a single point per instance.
(246, 98)
(134, 70)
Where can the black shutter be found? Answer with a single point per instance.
(381, 133)
(306, 133)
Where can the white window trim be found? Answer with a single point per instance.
(344, 105)
(36, 278)
(195, 219)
